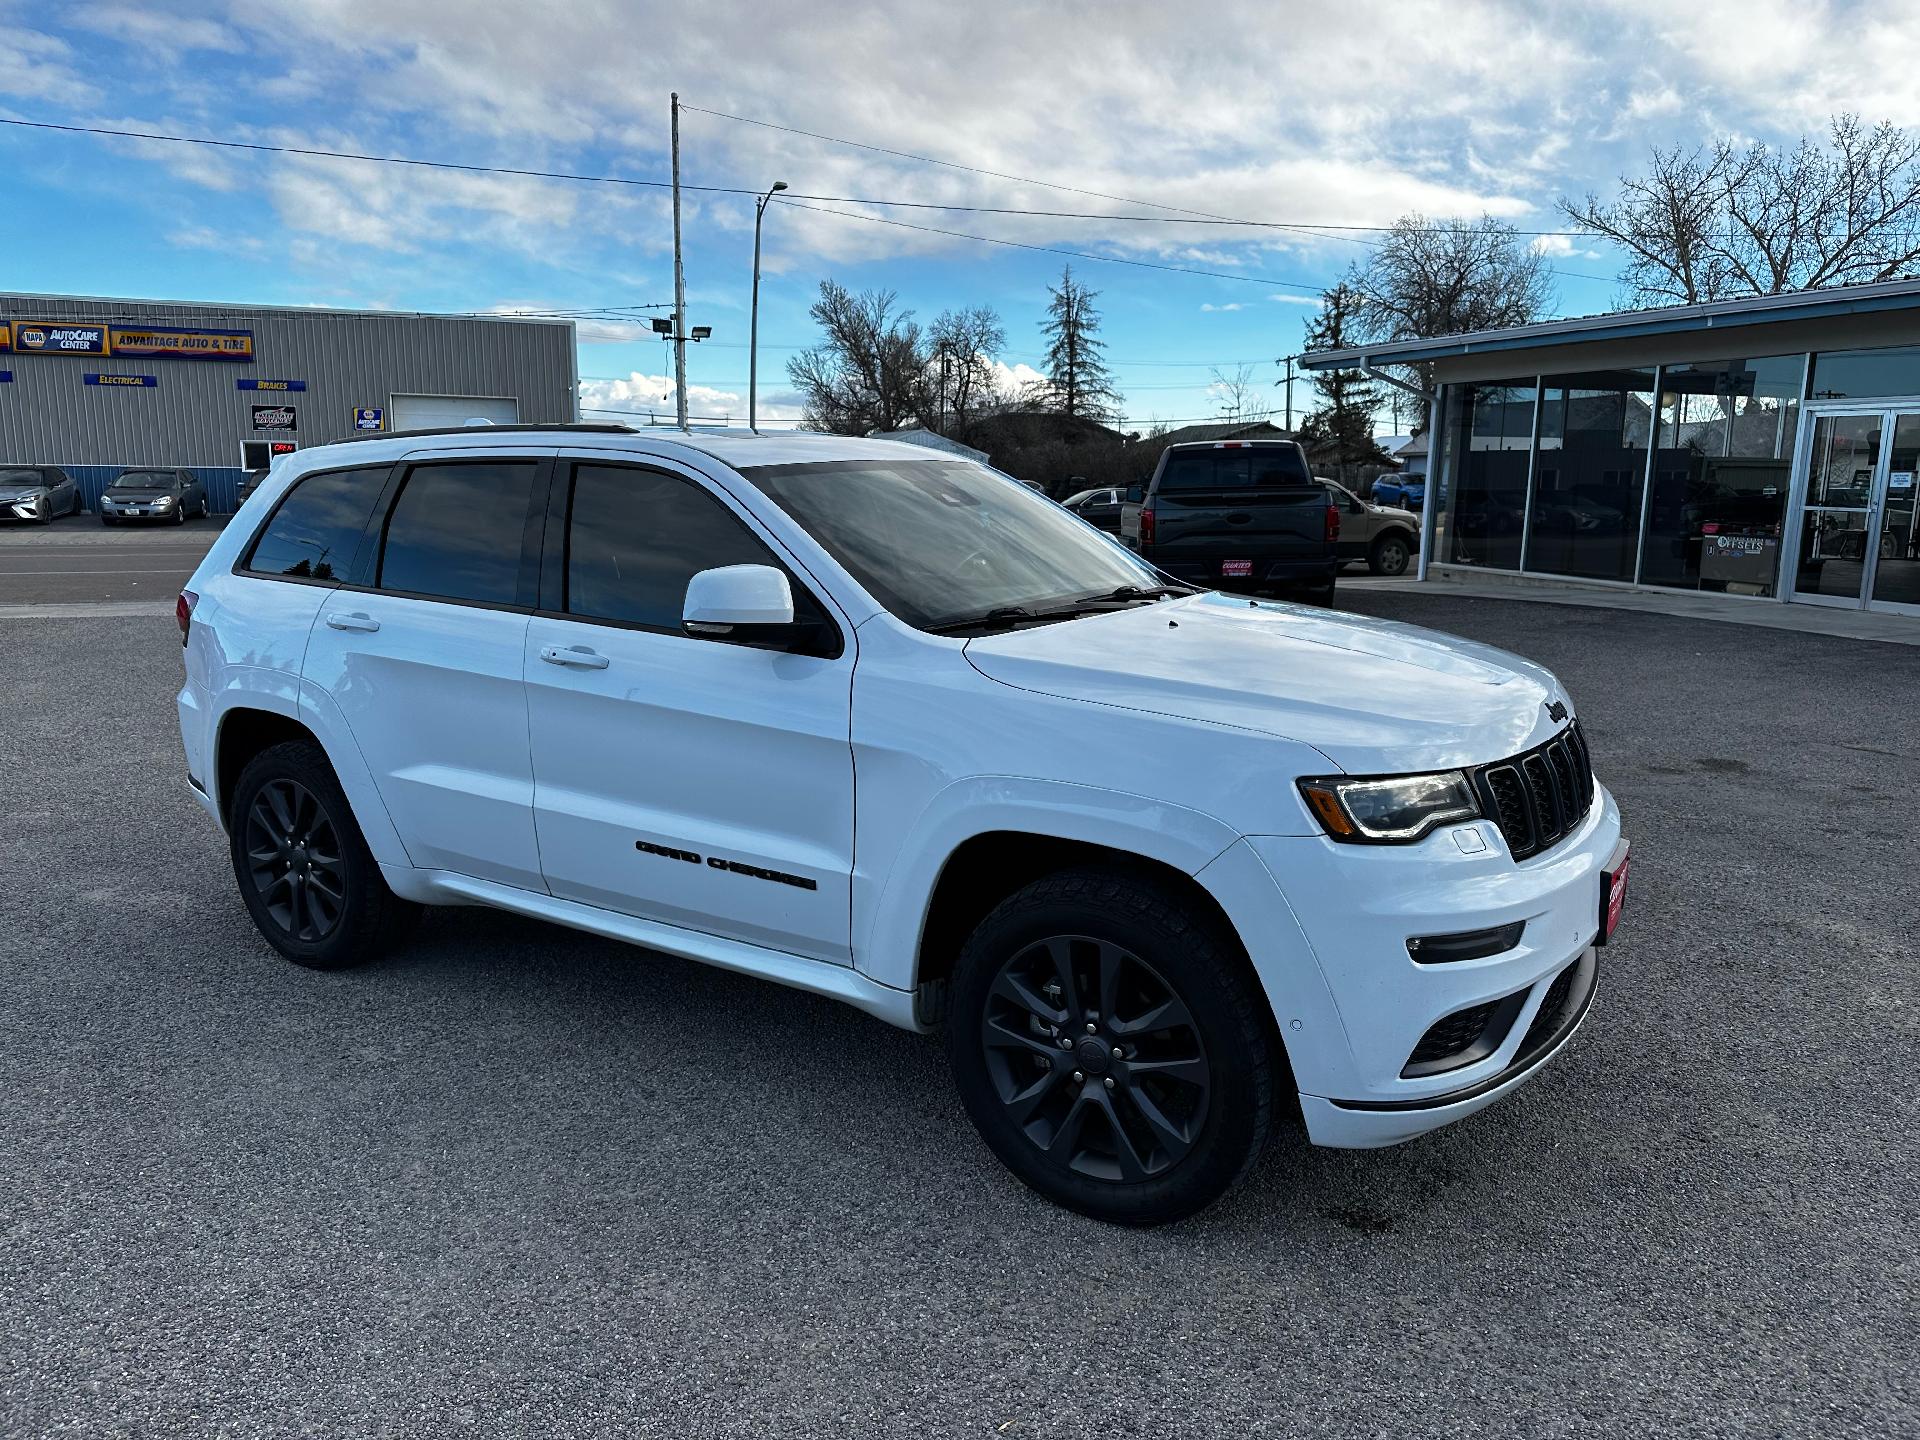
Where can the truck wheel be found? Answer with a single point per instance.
(1389, 555)
(304, 870)
(1111, 1046)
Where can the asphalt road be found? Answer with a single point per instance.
(517, 1181)
(76, 558)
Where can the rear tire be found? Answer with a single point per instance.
(1163, 1120)
(304, 871)
(1389, 555)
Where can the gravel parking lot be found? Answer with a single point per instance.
(518, 1180)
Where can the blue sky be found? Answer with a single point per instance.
(1351, 114)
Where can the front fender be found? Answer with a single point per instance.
(890, 910)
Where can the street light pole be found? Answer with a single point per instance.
(679, 284)
(753, 337)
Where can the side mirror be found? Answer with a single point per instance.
(739, 602)
(1136, 494)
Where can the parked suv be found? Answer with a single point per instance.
(893, 729)
(1239, 514)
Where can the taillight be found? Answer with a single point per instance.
(183, 612)
(1333, 523)
(1146, 525)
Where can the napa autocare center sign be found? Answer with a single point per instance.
(132, 342)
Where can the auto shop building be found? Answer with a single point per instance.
(95, 385)
(1764, 447)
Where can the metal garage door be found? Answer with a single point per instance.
(428, 412)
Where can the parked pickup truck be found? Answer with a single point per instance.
(1238, 514)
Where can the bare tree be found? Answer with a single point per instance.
(870, 371)
(1446, 277)
(1078, 381)
(1723, 221)
(962, 346)
(1242, 398)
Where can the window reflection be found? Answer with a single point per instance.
(1866, 374)
(1492, 433)
(1721, 474)
(1589, 474)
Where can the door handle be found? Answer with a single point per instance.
(578, 657)
(351, 620)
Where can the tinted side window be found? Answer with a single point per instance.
(636, 537)
(1234, 469)
(457, 529)
(317, 528)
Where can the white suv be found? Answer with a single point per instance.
(892, 728)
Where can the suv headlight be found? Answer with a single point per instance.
(1396, 810)
(163, 502)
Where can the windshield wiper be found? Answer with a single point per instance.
(987, 619)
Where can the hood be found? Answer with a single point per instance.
(10, 493)
(1394, 512)
(1373, 696)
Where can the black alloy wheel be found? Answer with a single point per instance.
(295, 861)
(1096, 1058)
(1112, 1044)
(306, 875)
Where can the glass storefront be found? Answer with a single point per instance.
(1722, 473)
(1589, 472)
(1490, 440)
(1677, 476)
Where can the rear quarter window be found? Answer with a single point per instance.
(1237, 468)
(316, 529)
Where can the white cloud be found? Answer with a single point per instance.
(1311, 301)
(1211, 309)
(1562, 247)
(153, 30)
(640, 397)
(1015, 379)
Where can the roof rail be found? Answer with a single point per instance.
(590, 427)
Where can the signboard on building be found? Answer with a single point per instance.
(370, 417)
(139, 382)
(1745, 564)
(271, 384)
(178, 344)
(277, 448)
(36, 337)
(144, 342)
(275, 417)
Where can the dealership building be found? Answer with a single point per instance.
(1764, 448)
(95, 385)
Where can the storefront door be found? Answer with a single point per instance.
(1856, 542)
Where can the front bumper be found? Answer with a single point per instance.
(1354, 908)
(27, 509)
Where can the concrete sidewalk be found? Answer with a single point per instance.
(1682, 604)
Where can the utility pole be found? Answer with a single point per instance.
(753, 339)
(679, 283)
(1289, 425)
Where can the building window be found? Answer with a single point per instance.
(1490, 436)
(1589, 473)
(1866, 374)
(1721, 474)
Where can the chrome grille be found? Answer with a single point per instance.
(1538, 798)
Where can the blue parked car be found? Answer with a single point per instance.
(1406, 492)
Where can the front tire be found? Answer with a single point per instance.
(1389, 555)
(305, 873)
(1123, 982)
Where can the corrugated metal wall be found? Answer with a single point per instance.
(198, 417)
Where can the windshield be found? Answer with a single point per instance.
(11, 478)
(938, 541)
(144, 480)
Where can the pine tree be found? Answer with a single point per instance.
(1078, 381)
(1344, 420)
